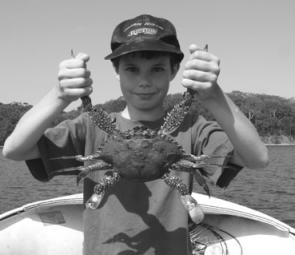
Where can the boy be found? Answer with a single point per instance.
(134, 217)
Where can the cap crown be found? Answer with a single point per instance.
(144, 32)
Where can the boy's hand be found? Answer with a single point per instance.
(201, 72)
(74, 78)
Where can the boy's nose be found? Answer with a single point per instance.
(144, 84)
(144, 81)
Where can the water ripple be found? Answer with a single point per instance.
(269, 190)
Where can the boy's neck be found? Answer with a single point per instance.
(136, 115)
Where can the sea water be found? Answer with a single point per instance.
(270, 190)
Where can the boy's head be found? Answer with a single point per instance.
(146, 55)
(145, 33)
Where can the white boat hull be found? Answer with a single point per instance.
(54, 227)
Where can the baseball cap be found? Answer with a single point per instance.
(144, 33)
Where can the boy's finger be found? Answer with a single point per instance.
(72, 63)
(197, 86)
(77, 92)
(73, 73)
(75, 83)
(198, 75)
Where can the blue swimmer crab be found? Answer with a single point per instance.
(142, 154)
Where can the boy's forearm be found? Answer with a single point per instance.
(74, 82)
(243, 135)
(22, 143)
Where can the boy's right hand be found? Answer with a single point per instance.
(74, 78)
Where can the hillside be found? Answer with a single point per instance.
(273, 116)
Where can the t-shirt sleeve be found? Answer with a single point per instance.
(66, 139)
(211, 140)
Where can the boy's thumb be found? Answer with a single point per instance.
(82, 56)
(194, 47)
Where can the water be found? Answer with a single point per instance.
(269, 190)
(18, 187)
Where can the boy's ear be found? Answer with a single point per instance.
(174, 71)
(116, 72)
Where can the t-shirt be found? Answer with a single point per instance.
(134, 217)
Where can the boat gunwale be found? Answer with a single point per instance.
(209, 209)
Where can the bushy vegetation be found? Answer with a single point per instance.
(273, 116)
(9, 116)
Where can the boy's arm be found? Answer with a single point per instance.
(74, 82)
(249, 151)
(200, 74)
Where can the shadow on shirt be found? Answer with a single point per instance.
(155, 238)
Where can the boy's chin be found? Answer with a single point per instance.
(147, 107)
(148, 102)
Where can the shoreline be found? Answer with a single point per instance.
(280, 144)
(267, 144)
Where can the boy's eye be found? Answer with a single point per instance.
(131, 69)
(158, 69)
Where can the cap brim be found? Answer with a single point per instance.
(146, 45)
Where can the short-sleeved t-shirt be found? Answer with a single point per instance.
(134, 217)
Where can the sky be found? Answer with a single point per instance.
(254, 39)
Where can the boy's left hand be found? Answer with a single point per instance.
(201, 72)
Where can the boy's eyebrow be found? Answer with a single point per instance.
(160, 64)
(128, 64)
(159, 61)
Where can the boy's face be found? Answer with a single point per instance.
(145, 82)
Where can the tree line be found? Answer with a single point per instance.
(273, 116)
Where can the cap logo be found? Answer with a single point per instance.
(145, 24)
(143, 30)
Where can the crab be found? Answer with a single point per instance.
(143, 154)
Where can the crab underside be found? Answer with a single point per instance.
(142, 154)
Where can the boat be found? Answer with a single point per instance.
(54, 226)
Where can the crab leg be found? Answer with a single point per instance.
(99, 189)
(81, 158)
(86, 100)
(189, 203)
(201, 181)
(193, 168)
(177, 115)
(179, 111)
(83, 171)
(94, 156)
(100, 165)
(203, 159)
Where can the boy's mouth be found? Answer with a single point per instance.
(145, 94)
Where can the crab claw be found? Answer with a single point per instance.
(194, 209)
(201, 181)
(109, 180)
(94, 201)
(82, 175)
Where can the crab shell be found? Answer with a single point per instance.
(140, 158)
